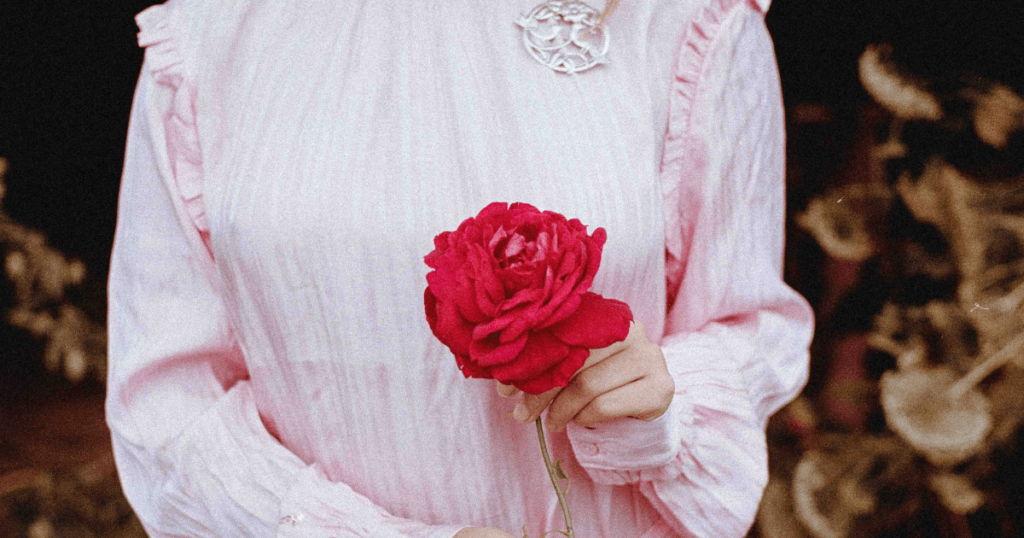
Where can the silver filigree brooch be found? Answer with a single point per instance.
(563, 35)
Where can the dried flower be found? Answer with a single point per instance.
(838, 230)
(924, 197)
(952, 337)
(919, 407)
(39, 274)
(42, 528)
(896, 331)
(914, 356)
(775, 517)
(1006, 402)
(38, 323)
(74, 272)
(75, 365)
(905, 98)
(988, 288)
(15, 264)
(800, 417)
(809, 478)
(851, 477)
(956, 492)
(997, 114)
(889, 150)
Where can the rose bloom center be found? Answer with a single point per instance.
(525, 245)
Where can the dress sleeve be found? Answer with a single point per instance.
(736, 338)
(193, 454)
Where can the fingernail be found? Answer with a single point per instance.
(520, 413)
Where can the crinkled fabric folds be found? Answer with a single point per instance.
(271, 369)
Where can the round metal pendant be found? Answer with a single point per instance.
(563, 35)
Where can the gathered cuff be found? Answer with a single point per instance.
(710, 397)
(311, 509)
(628, 450)
(162, 34)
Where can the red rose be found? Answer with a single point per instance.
(509, 296)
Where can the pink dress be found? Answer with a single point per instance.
(288, 164)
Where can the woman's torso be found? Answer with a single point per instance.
(339, 138)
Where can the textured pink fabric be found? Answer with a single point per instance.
(271, 370)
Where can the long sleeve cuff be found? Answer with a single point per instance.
(249, 485)
(629, 450)
(306, 513)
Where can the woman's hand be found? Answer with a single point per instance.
(626, 379)
(482, 532)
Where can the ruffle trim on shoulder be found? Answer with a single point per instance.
(678, 153)
(158, 35)
(161, 34)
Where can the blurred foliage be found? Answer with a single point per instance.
(911, 423)
(35, 300)
(85, 502)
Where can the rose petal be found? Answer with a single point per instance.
(543, 243)
(486, 306)
(465, 297)
(441, 247)
(449, 327)
(469, 369)
(564, 292)
(539, 275)
(597, 323)
(528, 295)
(524, 319)
(563, 311)
(593, 256)
(557, 376)
(515, 245)
(498, 236)
(569, 264)
(430, 306)
(563, 372)
(549, 281)
(482, 284)
(600, 237)
(444, 279)
(541, 352)
(519, 209)
(563, 303)
(493, 326)
(489, 351)
(519, 277)
(474, 234)
(483, 267)
(493, 209)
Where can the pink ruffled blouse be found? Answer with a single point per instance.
(288, 164)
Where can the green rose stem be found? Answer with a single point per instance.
(555, 471)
